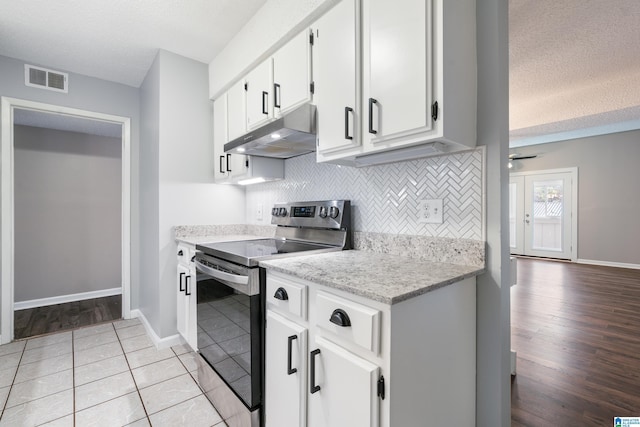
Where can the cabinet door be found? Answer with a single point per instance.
(235, 164)
(220, 137)
(347, 394)
(285, 372)
(397, 69)
(182, 310)
(292, 74)
(335, 74)
(191, 327)
(259, 95)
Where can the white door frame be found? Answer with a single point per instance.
(7, 202)
(574, 201)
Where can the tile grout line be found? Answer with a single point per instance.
(6, 402)
(73, 374)
(134, 378)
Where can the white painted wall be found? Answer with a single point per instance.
(608, 175)
(67, 213)
(176, 177)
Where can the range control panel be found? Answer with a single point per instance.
(335, 214)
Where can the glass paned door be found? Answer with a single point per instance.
(540, 214)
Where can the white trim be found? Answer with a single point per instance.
(42, 302)
(160, 343)
(7, 105)
(609, 263)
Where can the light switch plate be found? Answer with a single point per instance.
(430, 211)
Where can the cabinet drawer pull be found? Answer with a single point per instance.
(371, 102)
(340, 318)
(228, 162)
(181, 276)
(180, 253)
(290, 370)
(276, 95)
(347, 110)
(186, 285)
(312, 385)
(281, 294)
(220, 164)
(265, 96)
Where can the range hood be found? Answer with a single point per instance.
(291, 135)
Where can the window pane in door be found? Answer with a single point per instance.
(513, 202)
(547, 215)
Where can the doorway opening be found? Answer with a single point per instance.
(19, 190)
(543, 213)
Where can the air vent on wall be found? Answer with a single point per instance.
(46, 79)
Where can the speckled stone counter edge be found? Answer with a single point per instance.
(423, 248)
(195, 233)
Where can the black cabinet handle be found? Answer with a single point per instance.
(312, 385)
(193, 258)
(186, 285)
(228, 162)
(220, 164)
(181, 276)
(340, 318)
(180, 253)
(276, 95)
(347, 110)
(265, 96)
(290, 370)
(371, 102)
(281, 294)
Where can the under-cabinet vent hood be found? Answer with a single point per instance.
(291, 135)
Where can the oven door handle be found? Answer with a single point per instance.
(217, 274)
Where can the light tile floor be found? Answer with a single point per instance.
(104, 375)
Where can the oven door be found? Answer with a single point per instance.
(230, 325)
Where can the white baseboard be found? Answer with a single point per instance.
(22, 305)
(609, 263)
(160, 343)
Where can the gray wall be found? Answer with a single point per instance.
(67, 213)
(88, 93)
(608, 177)
(493, 388)
(176, 177)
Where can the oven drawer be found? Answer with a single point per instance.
(287, 297)
(351, 321)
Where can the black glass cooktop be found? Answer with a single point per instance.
(249, 252)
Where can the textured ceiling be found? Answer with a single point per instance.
(117, 40)
(574, 65)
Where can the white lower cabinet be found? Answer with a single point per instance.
(335, 359)
(343, 388)
(186, 298)
(286, 372)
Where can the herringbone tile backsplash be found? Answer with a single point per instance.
(386, 198)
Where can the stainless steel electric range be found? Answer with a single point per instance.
(231, 304)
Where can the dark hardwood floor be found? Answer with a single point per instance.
(576, 329)
(54, 318)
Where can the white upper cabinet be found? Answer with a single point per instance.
(335, 74)
(220, 137)
(260, 95)
(236, 111)
(397, 80)
(292, 74)
(418, 81)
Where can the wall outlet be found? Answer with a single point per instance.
(430, 211)
(259, 212)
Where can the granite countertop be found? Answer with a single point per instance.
(386, 278)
